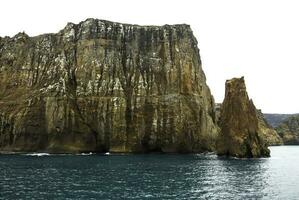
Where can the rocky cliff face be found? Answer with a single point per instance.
(289, 130)
(240, 130)
(269, 134)
(104, 86)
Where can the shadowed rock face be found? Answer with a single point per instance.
(104, 86)
(240, 131)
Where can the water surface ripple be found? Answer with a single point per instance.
(201, 176)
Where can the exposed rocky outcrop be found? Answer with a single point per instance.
(289, 130)
(269, 134)
(104, 86)
(240, 130)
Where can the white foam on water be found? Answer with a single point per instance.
(37, 154)
(85, 154)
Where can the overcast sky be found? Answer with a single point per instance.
(258, 39)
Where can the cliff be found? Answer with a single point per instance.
(289, 130)
(240, 127)
(269, 134)
(103, 86)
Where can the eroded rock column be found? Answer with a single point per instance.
(240, 130)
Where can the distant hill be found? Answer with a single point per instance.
(289, 130)
(275, 119)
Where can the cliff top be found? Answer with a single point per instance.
(101, 23)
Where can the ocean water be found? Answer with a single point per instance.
(154, 176)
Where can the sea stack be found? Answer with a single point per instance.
(240, 132)
(102, 86)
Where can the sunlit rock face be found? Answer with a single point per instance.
(267, 132)
(104, 86)
(240, 130)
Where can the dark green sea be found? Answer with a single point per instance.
(153, 176)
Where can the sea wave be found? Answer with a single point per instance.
(85, 154)
(57, 154)
(37, 154)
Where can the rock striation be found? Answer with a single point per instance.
(240, 130)
(104, 86)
